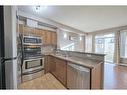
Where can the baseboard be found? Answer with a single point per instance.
(122, 64)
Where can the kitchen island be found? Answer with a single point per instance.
(76, 70)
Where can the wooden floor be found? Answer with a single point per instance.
(47, 81)
(115, 77)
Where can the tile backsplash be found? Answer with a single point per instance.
(47, 49)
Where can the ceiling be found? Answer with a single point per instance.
(84, 18)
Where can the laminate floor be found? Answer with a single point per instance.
(48, 81)
(115, 77)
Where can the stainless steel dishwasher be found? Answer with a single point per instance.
(78, 77)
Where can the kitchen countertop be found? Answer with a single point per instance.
(89, 63)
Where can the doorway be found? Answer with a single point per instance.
(105, 44)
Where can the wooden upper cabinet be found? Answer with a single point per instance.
(51, 38)
(54, 38)
(48, 37)
(20, 28)
(28, 30)
(37, 32)
(43, 34)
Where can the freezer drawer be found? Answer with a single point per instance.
(78, 77)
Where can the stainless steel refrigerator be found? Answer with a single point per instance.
(8, 48)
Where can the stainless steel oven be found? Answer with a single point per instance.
(32, 47)
(32, 51)
(32, 68)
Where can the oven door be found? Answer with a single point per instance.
(32, 51)
(32, 65)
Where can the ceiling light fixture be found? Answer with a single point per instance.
(38, 8)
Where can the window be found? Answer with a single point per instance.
(123, 44)
(99, 45)
(105, 44)
(69, 47)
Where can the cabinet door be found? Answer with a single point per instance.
(47, 64)
(28, 30)
(48, 37)
(61, 70)
(37, 32)
(54, 38)
(52, 65)
(97, 77)
(20, 28)
(43, 35)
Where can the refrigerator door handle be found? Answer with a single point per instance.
(11, 58)
(2, 60)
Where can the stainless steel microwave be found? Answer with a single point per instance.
(32, 40)
(32, 47)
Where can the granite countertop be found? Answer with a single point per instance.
(89, 63)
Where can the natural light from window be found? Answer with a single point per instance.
(105, 44)
(123, 46)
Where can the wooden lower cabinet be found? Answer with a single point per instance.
(49, 65)
(61, 70)
(53, 66)
(57, 67)
(97, 77)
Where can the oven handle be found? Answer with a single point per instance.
(33, 59)
(32, 72)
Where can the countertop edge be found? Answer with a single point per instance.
(90, 67)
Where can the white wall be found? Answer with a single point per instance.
(48, 21)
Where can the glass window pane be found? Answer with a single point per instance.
(105, 44)
(123, 44)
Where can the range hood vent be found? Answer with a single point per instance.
(47, 25)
